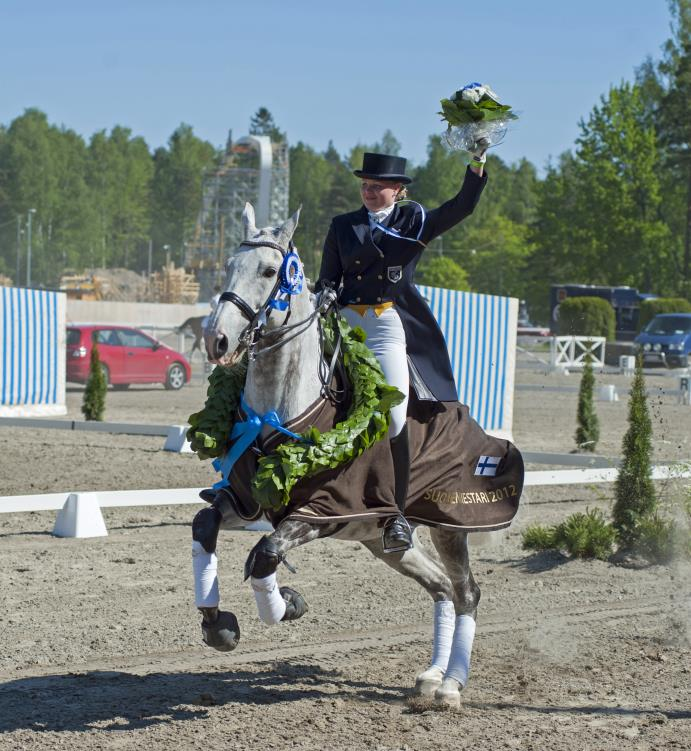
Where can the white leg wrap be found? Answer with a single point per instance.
(444, 624)
(270, 605)
(205, 567)
(459, 662)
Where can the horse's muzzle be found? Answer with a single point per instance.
(217, 351)
(216, 347)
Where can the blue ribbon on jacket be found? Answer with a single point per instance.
(245, 434)
(395, 233)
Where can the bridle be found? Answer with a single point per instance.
(289, 281)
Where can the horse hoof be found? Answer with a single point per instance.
(428, 682)
(448, 694)
(223, 634)
(296, 606)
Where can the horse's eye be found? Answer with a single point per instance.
(268, 273)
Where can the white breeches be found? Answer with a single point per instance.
(386, 340)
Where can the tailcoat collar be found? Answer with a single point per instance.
(361, 225)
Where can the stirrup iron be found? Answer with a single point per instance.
(397, 546)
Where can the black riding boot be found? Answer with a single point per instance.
(397, 535)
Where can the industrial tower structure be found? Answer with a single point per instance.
(254, 170)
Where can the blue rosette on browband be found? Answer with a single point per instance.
(292, 278)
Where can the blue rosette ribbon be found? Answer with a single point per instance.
(244, 434)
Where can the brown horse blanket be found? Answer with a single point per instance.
(459, 476)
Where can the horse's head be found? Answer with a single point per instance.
(253, 274)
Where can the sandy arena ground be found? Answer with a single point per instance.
(100, 645)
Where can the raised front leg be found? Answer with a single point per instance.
(452, 547)
(220, 629)
(274, 603)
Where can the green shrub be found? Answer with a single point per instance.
(588, 431)
(94, 403)
(586, 316)
(656, 539)
(538, 537)
(650, 308)
(661, 539)
(440, 271)
(634, 489)
(586, 535)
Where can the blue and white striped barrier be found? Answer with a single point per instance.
(32, 352)
(480, 333)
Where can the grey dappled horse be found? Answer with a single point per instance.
(284, 376)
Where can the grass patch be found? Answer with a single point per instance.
(539, 537)
(656, 539)
(586, 535)
(660, 538)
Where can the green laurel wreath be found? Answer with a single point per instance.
(367, 420)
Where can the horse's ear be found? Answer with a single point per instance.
(248, 221)
(285, 234)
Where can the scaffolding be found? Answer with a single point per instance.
(254, 170)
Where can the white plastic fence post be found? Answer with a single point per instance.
(176, 440)
(80, 517)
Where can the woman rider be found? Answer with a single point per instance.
(369, 258)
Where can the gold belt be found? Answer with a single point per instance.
(378, 309)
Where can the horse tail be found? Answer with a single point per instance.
(184, 325)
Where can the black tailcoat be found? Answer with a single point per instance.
(375, 267)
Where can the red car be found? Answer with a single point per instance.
(128, 356)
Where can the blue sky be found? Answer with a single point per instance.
(345, 71)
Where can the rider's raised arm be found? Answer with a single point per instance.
(452, 212)
(331, 269)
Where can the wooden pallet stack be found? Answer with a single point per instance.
(81, 286)
(174, 285)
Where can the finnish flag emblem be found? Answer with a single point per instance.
(487, 466)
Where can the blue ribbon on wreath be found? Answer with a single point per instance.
(245, 434)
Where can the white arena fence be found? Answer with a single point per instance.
(480, 333)
(574, 351)
(79, 513)
(177, 496)
(32, 352)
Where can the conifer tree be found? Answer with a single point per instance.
(262, 123)
(635, 494)
(588, 431)
(94, 403)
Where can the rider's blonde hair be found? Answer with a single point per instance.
(402, 194)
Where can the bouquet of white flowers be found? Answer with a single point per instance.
(475, 113)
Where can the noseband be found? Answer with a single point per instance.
(289, 282)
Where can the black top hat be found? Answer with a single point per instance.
(383, 167)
